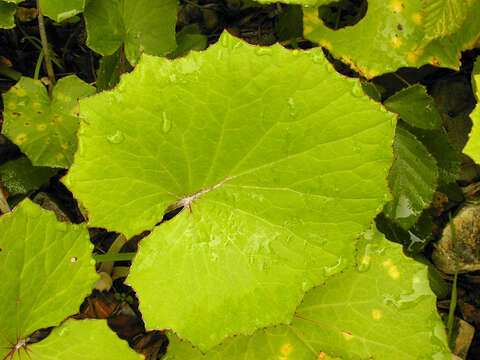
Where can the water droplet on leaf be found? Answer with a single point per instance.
(166, 123)
(116, 138)
(262, 51)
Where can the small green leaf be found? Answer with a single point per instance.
(444, 17)
(44, 129)
(81, 339)
(7, 15)
(110, 70)
(142, 25)
(189, 38)
(381, 309)
(60, 10)
(415, 107)
(423, 120)
(472, 148)
(446, 156)
(46, 268)
(283, 180)
(412, 178)
(392, 35)
(19, 177)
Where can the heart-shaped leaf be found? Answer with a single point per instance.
(47, 271)
(44, 129)
(280, 177)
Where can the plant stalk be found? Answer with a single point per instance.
(46, 52)
(453, 299)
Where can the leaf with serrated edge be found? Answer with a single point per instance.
(472, 148)
(143, 25)
(415, 107)
(281, 180)
(444, 17)
(46, 268)
(393, 32)
(44, 129)
(382, 309)
(82, 339)
(60, 10)
(412, 178)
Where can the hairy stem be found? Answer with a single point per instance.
(46, 52)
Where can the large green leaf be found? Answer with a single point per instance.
(60, 10)
(283, 178)
(394, 32)
(7, 12)
(46, 269)
(45, 129)
(382, 309)
(412, 178)
(472, 148)
(142, 25)
(79, 340)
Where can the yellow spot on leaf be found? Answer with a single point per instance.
(48, 140)
(416, 280)
(387, 263)
(37, 105)
(20, 139)
(347, 336)
(396, 42)
(417, 18)
(59, 96)
(322, 356)
(435, 61)
(393, 272)
(68, 98)
(397, 6)
(17, 90)
(11, 106)
(413, 55)
(64, 146)
(366, 260)
(376, 314)
(60, 156)
(57, 117)
(41, 127)
(286, 349)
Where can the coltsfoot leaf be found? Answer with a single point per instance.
(45, 129)
(142, 25)
(381, 309)
(394, 34)
(46, 268)
(280, 177)
(76, 338)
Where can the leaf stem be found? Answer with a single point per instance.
(46, 52)
(453, 299)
